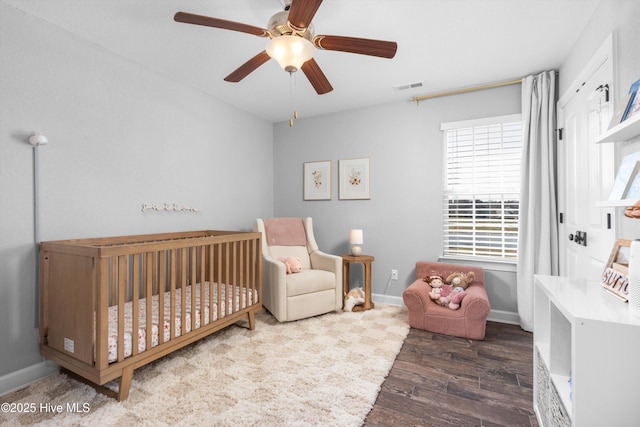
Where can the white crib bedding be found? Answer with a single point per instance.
(142, 322)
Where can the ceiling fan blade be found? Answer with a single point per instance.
(381, 48)
(316, 77)
(248, 67)
(207, 21)
(302, 12)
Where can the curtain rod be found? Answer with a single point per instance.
(417, 99)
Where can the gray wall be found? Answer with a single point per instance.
(119, 136)
(402, 221)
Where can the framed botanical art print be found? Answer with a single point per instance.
(317, 180)
(354, 179)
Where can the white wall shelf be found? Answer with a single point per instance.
(586, 352)
(622, 132)
(616, 203)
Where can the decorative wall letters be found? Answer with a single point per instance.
(167, 207)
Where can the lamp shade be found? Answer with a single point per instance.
(290, 51)
(355, 237)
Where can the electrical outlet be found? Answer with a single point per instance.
(394, 274)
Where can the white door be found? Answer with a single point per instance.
(585, 175)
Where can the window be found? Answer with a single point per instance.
(482, 187)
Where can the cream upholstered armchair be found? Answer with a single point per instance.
(317, 289)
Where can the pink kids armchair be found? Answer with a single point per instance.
(469, 321)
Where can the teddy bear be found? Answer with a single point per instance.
(292, 264)
(460, 280)
(445, 294)
(353, 298)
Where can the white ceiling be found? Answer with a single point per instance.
(445, 44)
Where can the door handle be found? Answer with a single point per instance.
(580, 237)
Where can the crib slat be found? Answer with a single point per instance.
(183, 293)
(122, 289)
(135, 304)
(244, 267)
(219, 279)
(162, 263)
(203, 285)
(226, 281)
(210, 274)
(193, 271)
(172, 295)
(149, 256)
(234, 276)
(255, 269)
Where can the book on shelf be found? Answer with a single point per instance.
(633, 106)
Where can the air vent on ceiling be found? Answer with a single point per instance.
(407, 86)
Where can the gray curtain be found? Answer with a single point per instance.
(538, 227)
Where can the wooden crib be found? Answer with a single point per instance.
(96, 294)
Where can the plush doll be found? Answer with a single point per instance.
(444, 294)
(292, 264)
(353, 298)
(436, 283)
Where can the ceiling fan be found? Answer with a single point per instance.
(292, 41)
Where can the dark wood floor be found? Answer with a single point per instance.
(439, 380)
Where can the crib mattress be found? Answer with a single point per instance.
(227, 294)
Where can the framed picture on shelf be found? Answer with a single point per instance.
(625, 184)
(615, 275)
(354, 179)
(632, 190)
(317, 180)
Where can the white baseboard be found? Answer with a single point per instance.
(20, 379)
(387, 299)
(504, 317)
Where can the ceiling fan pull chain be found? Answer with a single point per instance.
(291, 98)
(295, 96)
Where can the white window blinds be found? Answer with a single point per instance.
(481, 187)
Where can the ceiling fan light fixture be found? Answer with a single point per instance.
(290, 51)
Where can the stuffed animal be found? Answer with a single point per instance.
(292, 264)
(353, 298)
(436, 283)
(633, 211)
(444, 294)
(460, 280)
(456, 297)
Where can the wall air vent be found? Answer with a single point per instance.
(400, 88)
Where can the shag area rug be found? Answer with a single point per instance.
(326, 370)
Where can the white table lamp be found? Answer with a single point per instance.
(355, 238)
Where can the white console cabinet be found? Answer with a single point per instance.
(586, 355)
